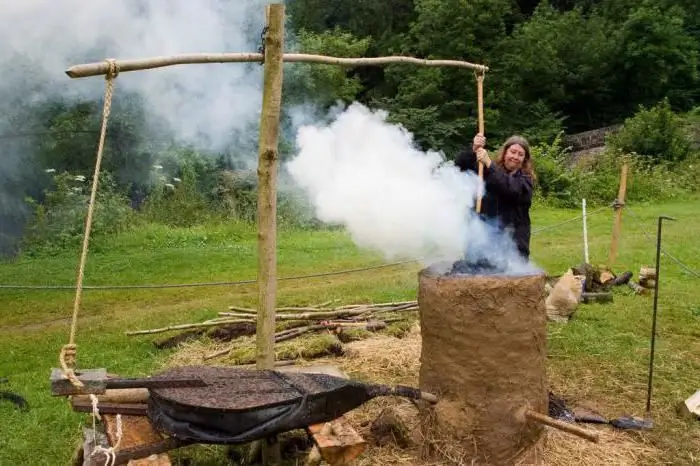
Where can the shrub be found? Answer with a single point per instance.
(655, 133)
(59, 221)
(563, 182)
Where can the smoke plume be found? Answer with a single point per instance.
(211, 107)
(203, 104)
(366, 174)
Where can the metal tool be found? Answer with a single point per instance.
(653, 319)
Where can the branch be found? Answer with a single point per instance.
(186, 326)
(138, 64)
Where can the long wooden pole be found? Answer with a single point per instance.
(480, 101)
(620, 202)
(267, 187)
(267, 203)
(138, 64)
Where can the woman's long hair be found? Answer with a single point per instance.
(528, 169)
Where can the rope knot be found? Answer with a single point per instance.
(112, 69)
(67, 359)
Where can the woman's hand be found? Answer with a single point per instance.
(479, 142)
(483, 156)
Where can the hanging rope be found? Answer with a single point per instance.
(67, 357)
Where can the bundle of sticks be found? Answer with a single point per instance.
(292, 322)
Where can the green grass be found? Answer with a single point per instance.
(600, 357)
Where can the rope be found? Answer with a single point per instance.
(252, 281)
(68, 353)
(205, 284)
(110, 452)
(555, 225)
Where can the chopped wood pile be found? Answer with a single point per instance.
(292, 322)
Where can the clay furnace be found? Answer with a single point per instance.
(484, 355)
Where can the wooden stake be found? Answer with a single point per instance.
(620, 202)
(267, 202)
(480, 100)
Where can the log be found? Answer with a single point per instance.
(124, 395)
(140, 64)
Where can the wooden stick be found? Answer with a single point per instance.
(186, 326)
(618, 215)
(316, 315)
(267, 187)
(124, 395)
(139, 64)
(561, 425)
(480, 102)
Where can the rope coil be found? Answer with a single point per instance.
(68, 354)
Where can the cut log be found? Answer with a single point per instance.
(124, 395)
(691, 407)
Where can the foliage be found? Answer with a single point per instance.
(564, 181)
(654, 133)
(59, 222)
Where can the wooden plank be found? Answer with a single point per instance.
(340, 444)
(137, 431)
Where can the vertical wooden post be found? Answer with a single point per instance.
(267, 188)
(267, 201)
(480, 102)
(619, 203)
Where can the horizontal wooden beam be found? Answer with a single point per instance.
(139, 64)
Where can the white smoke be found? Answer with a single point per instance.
(367, 174)
(202, 104)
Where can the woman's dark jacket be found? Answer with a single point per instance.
(507, 198)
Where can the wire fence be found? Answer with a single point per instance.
(535, 231)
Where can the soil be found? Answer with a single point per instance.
(484, 355)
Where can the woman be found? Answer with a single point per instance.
(508, 183)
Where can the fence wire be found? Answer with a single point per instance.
(316, 275)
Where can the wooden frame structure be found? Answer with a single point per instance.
(273, 58)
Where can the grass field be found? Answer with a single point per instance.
(601, 356)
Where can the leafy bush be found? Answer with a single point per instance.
(656, 133)
(59, 221)
(563, 181)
